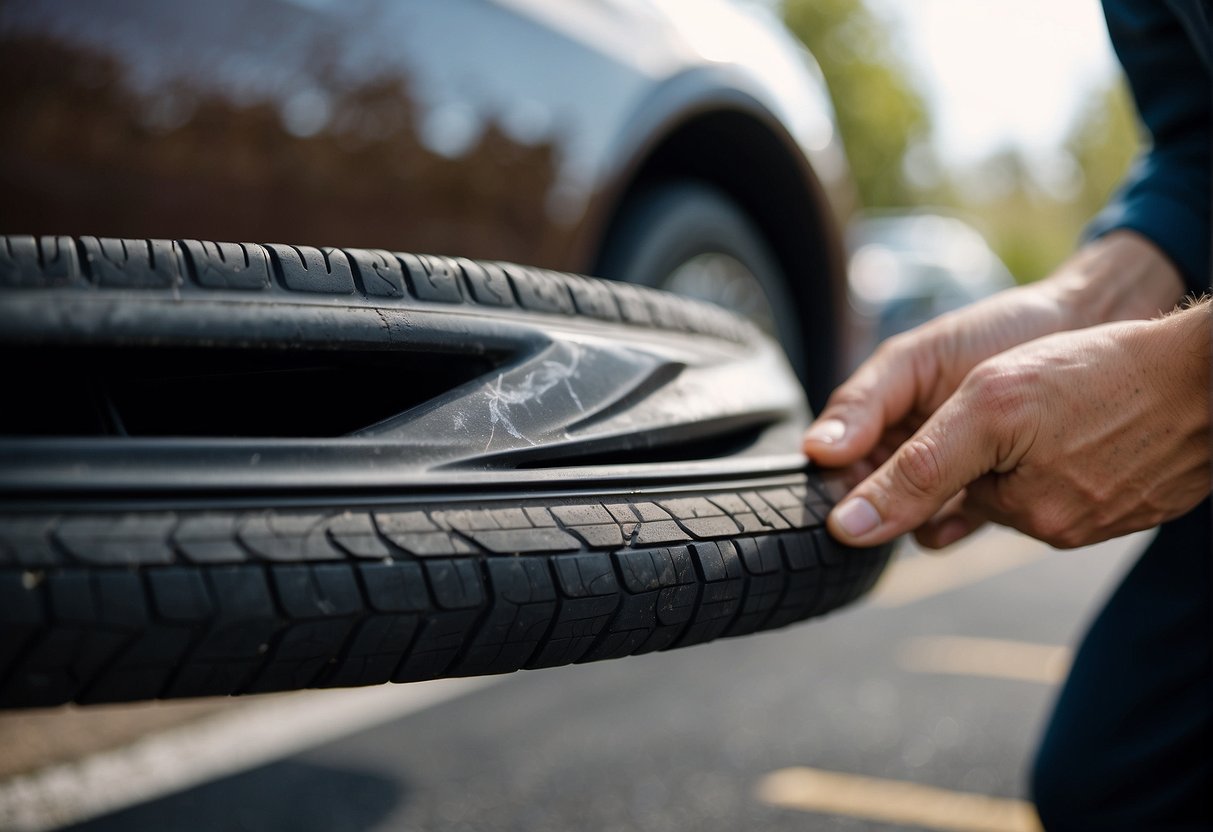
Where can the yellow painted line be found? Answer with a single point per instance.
(916, 575)
(919, 576)
(989, 657)
(894, 801)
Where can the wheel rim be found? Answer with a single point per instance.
(727, 282)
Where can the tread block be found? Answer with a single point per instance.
(131, 264)
(95, 615)
(798, 600)
(238, 639)
(355, 534)
(441, 637)
(287, 536)
(21, 599)
(630, 301)
(432, 278)
(584, 576)
(26, 541)
(303, 651)
(830, 551)
(722, 592)
(321, 590)
(539, 291)
(118, 541)
(592, 298)
(243, 266)
(309, 269)
(605, 536)
(761, 597)
(511, 633)
(209, 538)
(799, 552)
(373, 652)
(178, 594)
(456, 583)
(577, 626)
(710, 527)
(379, 271)
(630, 627)
(769, 516)
(659, 531)
(760, 555)
(508, 541)
(44, 262)
(582, 515)
(395, 587)
(487, 281)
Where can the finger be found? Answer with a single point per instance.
(955, 446)
(952, 523)
(952, 530)
(880, 393)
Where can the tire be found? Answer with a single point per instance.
(157, 541)
(667, 228)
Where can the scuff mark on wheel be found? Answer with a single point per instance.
(503, 396)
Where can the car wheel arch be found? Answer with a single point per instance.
(694, 129)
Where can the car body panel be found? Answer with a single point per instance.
(503, 129)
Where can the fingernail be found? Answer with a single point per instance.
(827, 431)
(857, 517)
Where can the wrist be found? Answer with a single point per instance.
(1180, 348)
(1119, 277)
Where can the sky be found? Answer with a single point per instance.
(1002, 72)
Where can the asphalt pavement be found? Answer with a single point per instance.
(916, 709)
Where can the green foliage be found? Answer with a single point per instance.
(1103, 141)
(1033, 230)
(880, 114)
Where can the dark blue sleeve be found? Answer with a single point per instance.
(1167, 193)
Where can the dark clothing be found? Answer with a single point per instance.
(1166, 49)
(1130, 743)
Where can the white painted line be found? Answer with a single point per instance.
(992, 658)
(226, 743)
(894, 801)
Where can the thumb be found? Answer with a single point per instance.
(953, 448)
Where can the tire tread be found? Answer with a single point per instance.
(165, 604)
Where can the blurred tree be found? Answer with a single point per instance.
(1103, 141)
(880, 114)
(1032, 229)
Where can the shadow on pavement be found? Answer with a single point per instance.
(299, 796)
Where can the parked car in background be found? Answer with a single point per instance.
(677, 143)
(907, 268)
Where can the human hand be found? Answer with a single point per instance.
(1072, 439)
(1121, 276)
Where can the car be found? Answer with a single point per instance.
(236, 467)
(907, 267)
(687, 145)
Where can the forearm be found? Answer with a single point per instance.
(1121, 276)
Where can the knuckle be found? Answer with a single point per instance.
(919, 465)
(1000, 393)
(1053, 528)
